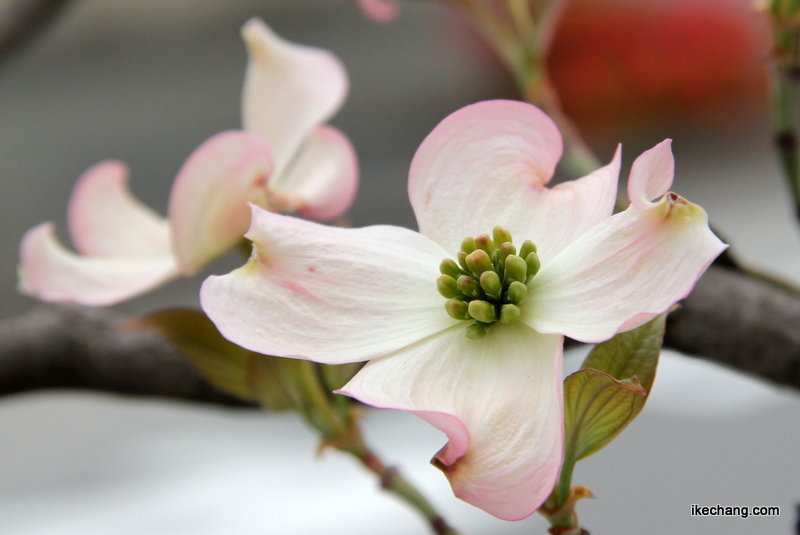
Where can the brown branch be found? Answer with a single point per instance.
(23, 20)
(729, 318)
(81, 348)
(740, 322)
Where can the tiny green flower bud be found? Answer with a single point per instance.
(482, 311)
(449, 267)
(490, 282)
(527, 248)
(469, 287)
(478, 262)
(501, 235)
(476, 331)
(504, 250)
(456, 309)
(462, 260)
(447, 286)
(495, 257)
(468, 245)
(485, 242)
(509, 314)
(533, 264)
(516, 292)
(516, 269)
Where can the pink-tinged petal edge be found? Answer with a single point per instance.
(379, 10)
(558, 216)
(481, 167)
(651, 175)
(289, 90)
(328, 294)
(105, 220)
(51, 273)
(208, 209)
(624, 272)
(499, 400)
(321, 184)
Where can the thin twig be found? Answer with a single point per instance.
(23, 20)
(524, 57)
(392, 481)
(784, 101)
(785, 73)
(340, 430)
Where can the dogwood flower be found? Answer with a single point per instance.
(463, 322)
(285, 161)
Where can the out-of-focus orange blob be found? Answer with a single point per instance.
(629, 63)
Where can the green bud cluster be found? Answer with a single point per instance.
(489, 281)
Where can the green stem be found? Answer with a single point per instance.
(564, 482)
(332, 378)
(562, 516)
(497, 33)
(775, 281)
(523, 56)
(522, 18)
(784, 94)
(392, 481)
(317, 408)
(579, 160)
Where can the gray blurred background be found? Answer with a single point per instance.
(146, 82)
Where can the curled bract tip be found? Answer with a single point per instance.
(651, 175)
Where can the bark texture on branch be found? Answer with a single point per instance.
(729, 318)
(82, 348)
(740, 322)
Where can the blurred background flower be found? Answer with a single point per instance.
(629, 63)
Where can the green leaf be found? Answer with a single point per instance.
(631, 354)
(273, 383)
(220, 361)
(597, 407)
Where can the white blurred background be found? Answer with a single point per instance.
(147, 81)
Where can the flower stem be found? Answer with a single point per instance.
(523, 20)
(392, 481)
(579, 160)
(332, 416)
(786, 71)
(498, 33)
(776, 281)
(522, 47)
(564, 483)
(559, 509)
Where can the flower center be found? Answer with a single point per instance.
(489, 281)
